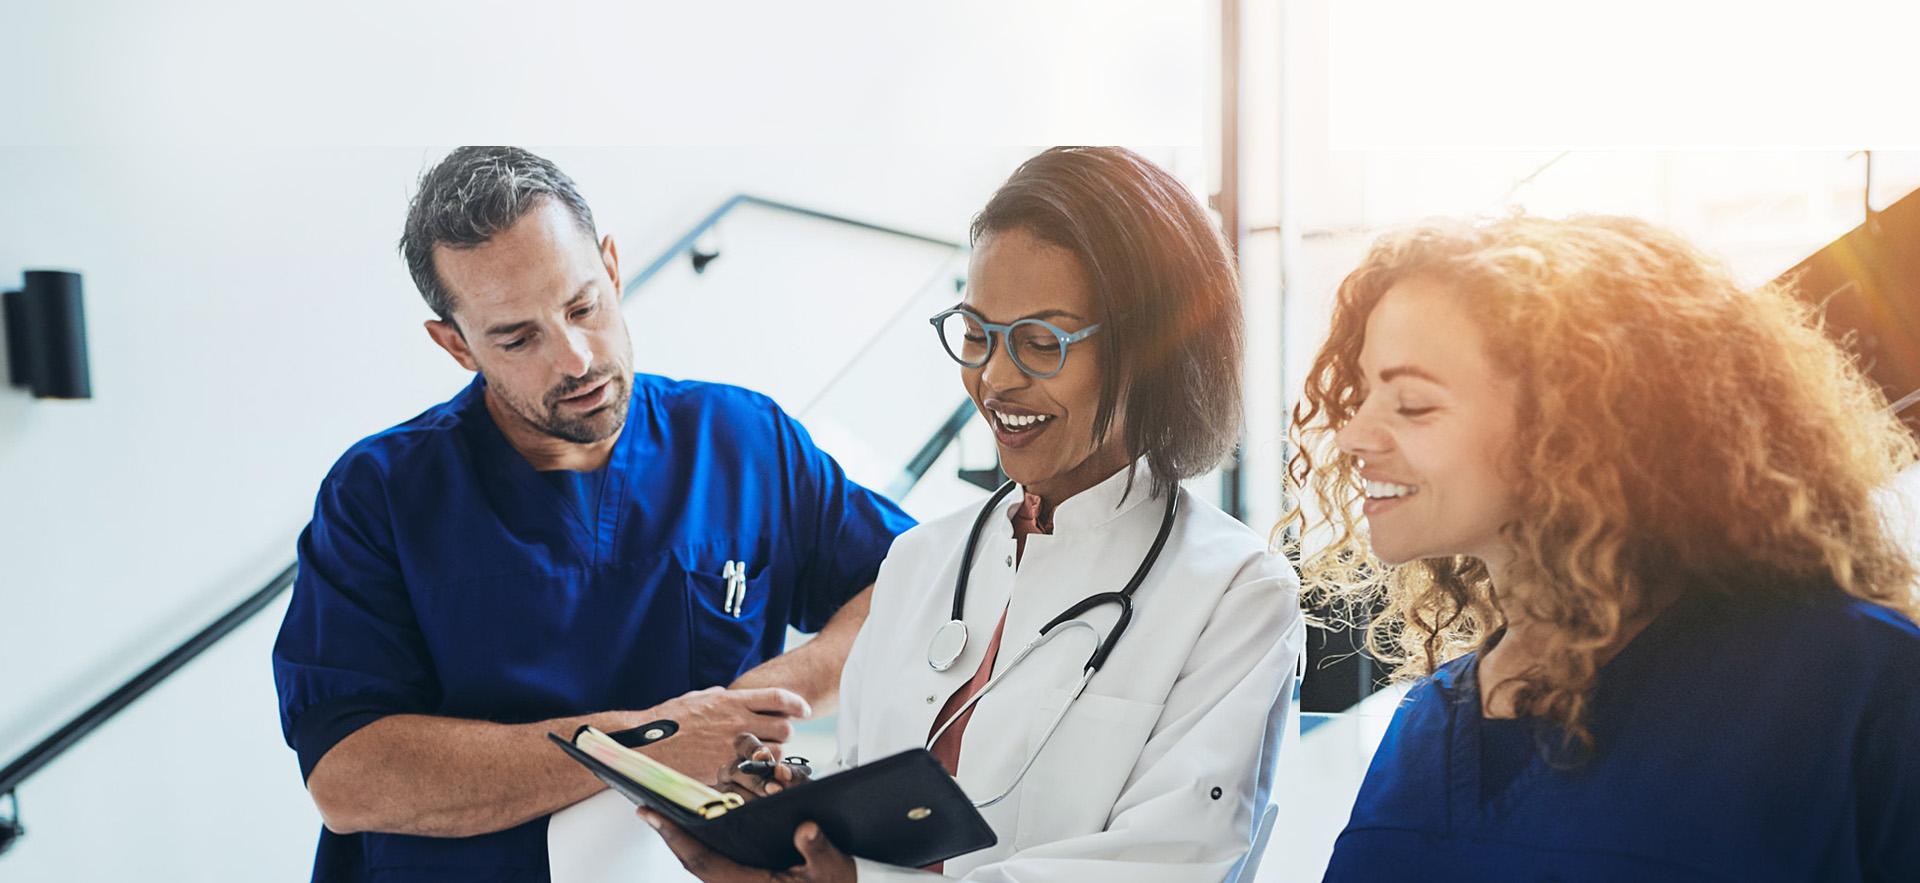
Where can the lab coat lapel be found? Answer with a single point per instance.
(1099, 537)
(1090, 551)
(987, 589)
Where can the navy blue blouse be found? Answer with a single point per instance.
(442, 574)
(1746, 741)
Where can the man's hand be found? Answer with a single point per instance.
(710, 719)
(746, 747)
(446, 777)
(821, 861)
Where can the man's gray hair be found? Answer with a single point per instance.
(469, 196)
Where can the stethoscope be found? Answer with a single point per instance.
(950, 639)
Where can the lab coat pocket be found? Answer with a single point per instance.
(1075, 783)
(728, 619)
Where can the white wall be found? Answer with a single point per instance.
(248, 320)
(248, 317)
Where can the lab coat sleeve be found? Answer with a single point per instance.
(350, 650)
(1219, 729)
(844, 529)
(847, 721)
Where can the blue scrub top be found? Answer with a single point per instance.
(1747, 741)
(443, 575)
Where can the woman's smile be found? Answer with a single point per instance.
(1385, 496)
(1015, 427)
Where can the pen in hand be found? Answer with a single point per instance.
(758, 770)
(764, 768)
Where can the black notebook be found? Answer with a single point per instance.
(900, 810)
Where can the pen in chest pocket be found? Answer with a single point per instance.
(735, 573)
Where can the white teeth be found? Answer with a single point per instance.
(1385, 490)
(1013, 420)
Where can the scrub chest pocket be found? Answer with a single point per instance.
(727, 615)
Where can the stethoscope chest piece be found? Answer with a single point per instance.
(949, 641)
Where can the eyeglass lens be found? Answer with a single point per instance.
(1035, 347)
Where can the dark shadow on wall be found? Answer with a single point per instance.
(14, 405)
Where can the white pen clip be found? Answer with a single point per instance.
(735, 573)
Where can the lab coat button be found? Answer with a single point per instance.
(1009, 560)
(929, 698)
(1216, 792)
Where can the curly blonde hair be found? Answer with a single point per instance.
(1676, 433)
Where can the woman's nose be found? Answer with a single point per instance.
(1361, 437)
(1000, 372)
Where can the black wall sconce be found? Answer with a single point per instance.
(47, 337)
(703, 251)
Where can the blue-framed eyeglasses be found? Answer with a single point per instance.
(1038, 347)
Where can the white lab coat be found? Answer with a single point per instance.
(1193, 698)
(1190, 704)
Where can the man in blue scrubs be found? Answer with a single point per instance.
(561, 543)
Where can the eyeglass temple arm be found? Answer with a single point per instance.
(1082, 334)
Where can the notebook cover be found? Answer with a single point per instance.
(900, 810)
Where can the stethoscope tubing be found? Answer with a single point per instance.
(1085, 677)
(1058, 625)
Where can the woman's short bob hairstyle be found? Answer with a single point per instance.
(1168, 296)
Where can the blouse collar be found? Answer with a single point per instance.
(1098, 505)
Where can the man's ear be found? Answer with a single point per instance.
(448, 336)
(610, 257)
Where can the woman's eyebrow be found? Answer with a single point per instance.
(1043, 314)
(1397, 371)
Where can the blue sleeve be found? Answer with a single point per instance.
(845, 528)
(1887, 775)
(350, 650)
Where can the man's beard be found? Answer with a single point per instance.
(593, 426)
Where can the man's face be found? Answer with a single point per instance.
(538, 313)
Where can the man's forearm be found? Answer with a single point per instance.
(813, 669)
(445, 777)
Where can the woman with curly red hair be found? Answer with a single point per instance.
(1619, 513)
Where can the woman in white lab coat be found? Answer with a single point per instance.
(1125, 382)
